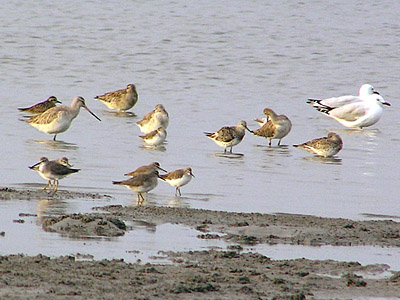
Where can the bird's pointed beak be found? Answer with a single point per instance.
(92, 113)
(386, 103)
(162, 169)
(35, 165)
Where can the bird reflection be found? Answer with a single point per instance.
(324, 160)
(120, 114)
(55, 145)
(50, 207)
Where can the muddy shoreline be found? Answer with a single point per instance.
(209, 274)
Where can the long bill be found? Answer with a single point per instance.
(92, 113)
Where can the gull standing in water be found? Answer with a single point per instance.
(41, 107)
(141, 183)
(53, 170)
(353, 111)
(58, 119)
(277, 126)
(227, 137)
(326, 146)
(121, 100)
(178, 178)
(154, 119)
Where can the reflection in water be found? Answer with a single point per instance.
(282, 150)
(120, 114)
(372, 133)
(55, 145)
(160, 148)
(50, 207)
(324, 160)
(229, 155)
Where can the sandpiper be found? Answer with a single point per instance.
(155, 137)
(353, 111)
(326, 146)
(41, 106)
(178, 178)
(227, 137)
(121, 100)
(53, 170)
(146, 169)
(154, 119)
(58, 119)
(141, 183)
(276, 127)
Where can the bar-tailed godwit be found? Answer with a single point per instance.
(326, 146)
(58, 119)
(41, 107)
(277, 127)
(121, 100)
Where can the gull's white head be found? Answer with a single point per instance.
(366, 90)
(379, 99)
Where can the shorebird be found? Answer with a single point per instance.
(154, 119)
(353, 111)
(58, 119)
(41, 106)
(53, 170)
(155, 137)
(326, 146)
(227, 137)
(276, 127)
(178, 178)
(145, 169)
(121, 100)
(141, 183)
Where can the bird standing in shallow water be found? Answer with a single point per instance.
(41, 107)
(154, 119)
(326, 146)
(178, 178)
(227, 137)
(353, 111)
(277, 126)
(53, 170)
(121, 100)
(141, 183)
(58, 119)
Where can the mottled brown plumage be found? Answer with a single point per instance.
(121, 100)
(41, 106)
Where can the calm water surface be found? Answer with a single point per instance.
(211, 64)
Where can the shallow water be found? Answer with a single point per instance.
(211, 64)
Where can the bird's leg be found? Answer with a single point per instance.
(54, 138)
(56, 182)
(231, 149)
(179, 190)
(279, 143)
(270, 142)
(47, 185)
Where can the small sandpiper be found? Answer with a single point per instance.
(58, 119)
(41, 107)
(227, 137)
(146, 169)
(326, 146)
(53, 170)
(178, 178)
(154, 119)
(141, 183)
(155, 137)
(276, 126)
(121, 100)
